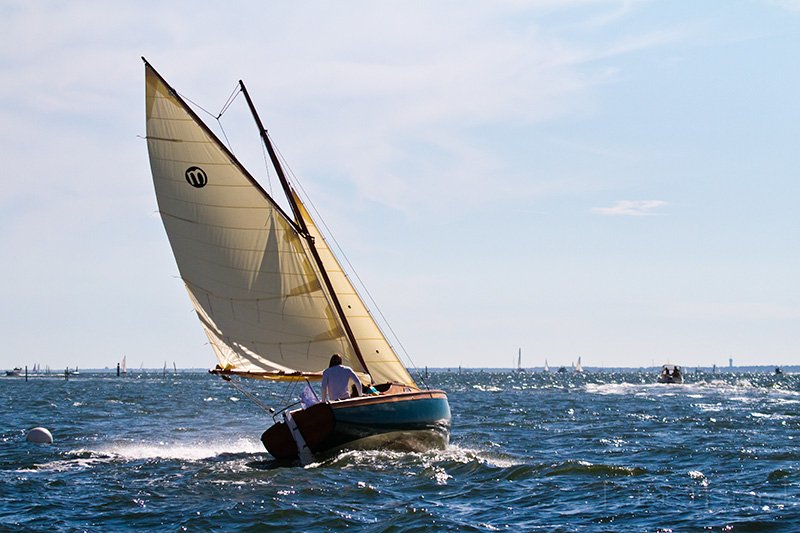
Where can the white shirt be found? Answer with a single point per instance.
(336, 381)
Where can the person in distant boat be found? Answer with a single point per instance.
(339, 382)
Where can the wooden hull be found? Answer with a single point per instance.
(411, 421)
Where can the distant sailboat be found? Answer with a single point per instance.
(546, 366)
(124, 366)
(519, 361)
(271, 296)
(578, 367)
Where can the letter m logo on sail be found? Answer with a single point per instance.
(196, 177)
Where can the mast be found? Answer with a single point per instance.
(287, 189)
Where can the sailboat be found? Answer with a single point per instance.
(578, 367)
(271, 296)
(546, 366)
(519, 361)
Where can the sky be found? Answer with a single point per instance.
(606, 179)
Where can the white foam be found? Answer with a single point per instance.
(742, 390)
(182, 451)
(382, 459)
(772, 416)
(709, 407)
(487, 388)
(63, 465)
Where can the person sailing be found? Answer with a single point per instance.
(337, 380)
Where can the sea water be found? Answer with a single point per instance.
(529, 452)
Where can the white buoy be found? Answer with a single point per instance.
(40, 436)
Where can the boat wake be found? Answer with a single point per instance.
(249, 452)
(180, 451)
(221, 450)
(190, 451)
(389, 459)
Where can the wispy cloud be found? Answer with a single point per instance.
(735, 311)
(635, 208)
(791, 5)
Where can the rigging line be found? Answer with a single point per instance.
(227, 141)
(234, 94)
(225, 107)
(198, 106)
(248, 394)
(217, 117)
(266, 166)
(289, 392)
(236, 90)
(349, 264)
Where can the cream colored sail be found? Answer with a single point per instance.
(256, 291)
(380, 358)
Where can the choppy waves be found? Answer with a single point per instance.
(528, 452)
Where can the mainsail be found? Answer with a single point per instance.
(251, 273)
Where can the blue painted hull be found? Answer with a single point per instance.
(417, 423)
(411, 421)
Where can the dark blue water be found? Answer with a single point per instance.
(529, 452)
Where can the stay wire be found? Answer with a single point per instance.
(265, 155)
(289, 394)
(226, 105)
(247, 393)
(234, 94)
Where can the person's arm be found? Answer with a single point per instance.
(324, 387)
(357, 383)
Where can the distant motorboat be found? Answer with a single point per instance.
(561, 370)
(16, 372)
(670, 374)
(778, 370)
